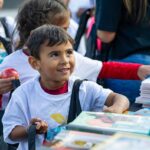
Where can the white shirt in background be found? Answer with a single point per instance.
(75, 5)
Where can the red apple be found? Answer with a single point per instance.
(8, 73)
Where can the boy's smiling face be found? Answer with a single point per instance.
(55, 64)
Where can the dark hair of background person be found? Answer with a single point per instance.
(136, 9)
(35, 13)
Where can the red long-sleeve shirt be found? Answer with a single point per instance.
(119, 70)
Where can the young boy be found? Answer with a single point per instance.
(45, 99)
(54, 12)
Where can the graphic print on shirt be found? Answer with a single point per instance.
(60, 119)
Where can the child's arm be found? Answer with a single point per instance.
(120, 70)
(127, 71)
(5, 86)
(116, 103)
(20, 132)
(143, 71)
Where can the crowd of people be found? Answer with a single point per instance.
(47, 65)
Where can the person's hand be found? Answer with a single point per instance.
(6, 77)
(143, 71)
(116, 103)
(8, 73)
(6, 85)
(41, 126)
(114, 109)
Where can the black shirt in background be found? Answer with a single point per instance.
(130, 38)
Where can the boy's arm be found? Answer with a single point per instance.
(116, 103)
(120, 70)
(18, 133)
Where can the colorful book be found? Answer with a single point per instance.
(125, 142)
(68, 139)
(109, 123)
(143, 112)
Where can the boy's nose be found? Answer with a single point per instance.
(65, 59)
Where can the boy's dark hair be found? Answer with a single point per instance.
(35, 13)
(46, 34)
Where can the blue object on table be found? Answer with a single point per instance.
(51, 133)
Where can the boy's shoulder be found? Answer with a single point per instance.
(86, 83)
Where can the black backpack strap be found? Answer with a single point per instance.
(75, 107)
(6, 41)
(31, 137)
(91, 43)
(5, 25)
(15, 83)
(82, 27)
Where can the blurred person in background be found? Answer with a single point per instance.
(7, 26)
(78, 7)
(9, 23)
(73, 30)
(125, 27)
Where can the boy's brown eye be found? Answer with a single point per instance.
(70, 51)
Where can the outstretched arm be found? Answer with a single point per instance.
(125, 71)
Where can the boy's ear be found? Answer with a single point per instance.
(34, 62)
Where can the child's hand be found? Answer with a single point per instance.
(143, 71)
(6, 85)
(8, 73)
(41, 126)
(114, 109)
(116, 103)
(6, 78)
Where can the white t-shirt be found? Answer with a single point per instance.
(25, 105)
(85, 68)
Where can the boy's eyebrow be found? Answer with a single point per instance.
(70, 49)
(57, 50)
